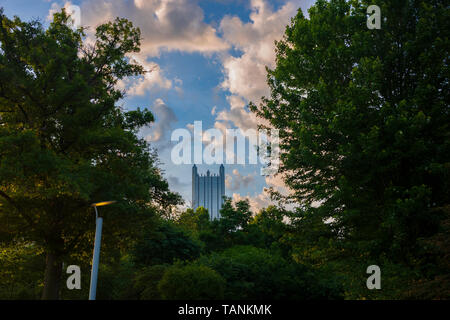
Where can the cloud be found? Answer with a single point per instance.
(256, 202)
(165, 24)
(175, 182)
(277, 183)
(153, 78)
(240, 118)
(262, 200)
(236, 181)
(159, 133)
(245, 76)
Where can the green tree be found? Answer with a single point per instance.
(364, 120)
(65, 143)
(147, 280)
(269, 224)
(230, 229)
(194, 221)
(191, 282)
(256, 273)
(165, 245)
(235, 217)
(21, 270)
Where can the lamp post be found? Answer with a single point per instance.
(96, 256)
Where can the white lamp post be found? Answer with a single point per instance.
(96, 256)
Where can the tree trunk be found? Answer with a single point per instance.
(52, 278)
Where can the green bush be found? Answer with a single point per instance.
(192, 282)
(22, 265)
(255, 273)
(146, 282)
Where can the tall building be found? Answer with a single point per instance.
(208, 191)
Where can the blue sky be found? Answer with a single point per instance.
(208, 60)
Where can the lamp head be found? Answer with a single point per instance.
(103, 203)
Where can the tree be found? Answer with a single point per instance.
(191, 282)
(230, 229)
(165, 245)
(364, 120)
(256, 273)
(267, 228)
(234, 217)
(21, 271)
(194, 221)
(66, 144)
(147, 280)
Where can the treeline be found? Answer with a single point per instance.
(240, 256)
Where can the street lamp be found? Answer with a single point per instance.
(96, 256)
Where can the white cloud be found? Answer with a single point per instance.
(256, 202)
(236, 181)
(241, 118)
(245, 76)
(164, 118)
(164, 24)
(56, 7)
(262, 200)
(277, 183)
(153, 78)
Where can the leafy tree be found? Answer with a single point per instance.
(194, 221)
(166, 244)
(65, 143)
(234, 218)
(147, 280)
(256, 273)
(191, 282)
(21, 270)
(115, 280)
(268, 228)
(364, 120)
(230, 229)
(436, 282)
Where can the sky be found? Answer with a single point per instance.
(208, 61)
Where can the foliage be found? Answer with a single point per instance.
(191, 282)
(436, 283)
(194, 221)
(255, 273)
(166, 244)
(21, 271)
(146, 282)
